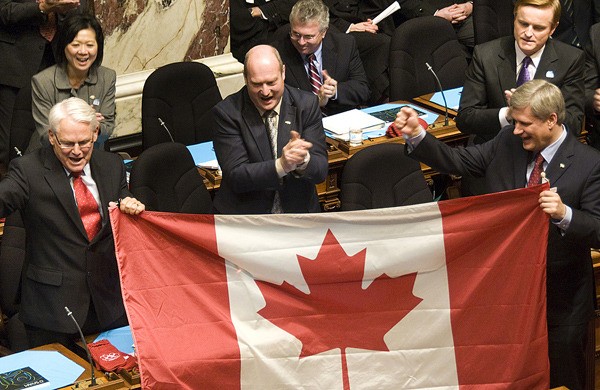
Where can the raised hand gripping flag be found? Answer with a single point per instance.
(439, 295)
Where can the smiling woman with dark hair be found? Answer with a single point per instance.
(78, 73)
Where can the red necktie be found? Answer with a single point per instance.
(88, 207)
(313, 75)
(48, 28)
(536, 174)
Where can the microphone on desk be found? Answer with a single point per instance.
(93, 377)
(439, 84)
(162, 123)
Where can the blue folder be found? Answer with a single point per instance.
(452, 98)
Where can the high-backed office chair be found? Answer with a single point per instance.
(165, 178)
(492, 19)
(22, 125)
(426, 39)
(382, 176)
(12, 258)
(181, 95)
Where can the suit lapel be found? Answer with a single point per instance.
(256, 128)
(507, 68)
(295, 67)
(59, 182)
(520, 158)
(99, 176)
(329, 55)
(286, 123)
(546, 70)
(561, 161)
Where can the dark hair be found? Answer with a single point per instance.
(70, 27)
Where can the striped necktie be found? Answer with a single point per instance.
(270, 124)
(313, 75)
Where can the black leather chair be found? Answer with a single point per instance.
(22, 125)
(181, 94)
(492, 19)
(382, 176)
(426, 39)
(165, 178)
(12, 259)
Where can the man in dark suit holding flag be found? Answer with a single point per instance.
(537, 143)
(63, 192)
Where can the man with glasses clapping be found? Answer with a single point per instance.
(322, 62)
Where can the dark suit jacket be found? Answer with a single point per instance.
(575, 171)
(414, 8)
(493, 70)
(592, 82)
(21, 44)
(62, 267)
(342, 62)
(343, 13)
(247, 32)
(585, 13)
(244, 152)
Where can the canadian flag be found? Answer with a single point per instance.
(442, 295)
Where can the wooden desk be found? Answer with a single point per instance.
(338, 152)
(103, 382)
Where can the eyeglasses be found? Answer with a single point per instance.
(83, 145)
(297, 36)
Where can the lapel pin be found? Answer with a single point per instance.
(562, 165)
(549, 74)
(288, 122)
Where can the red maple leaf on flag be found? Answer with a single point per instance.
(338, 312)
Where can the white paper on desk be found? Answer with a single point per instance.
(387, 12)
(341, 123)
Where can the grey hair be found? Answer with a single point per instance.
(75, 109)
(542, 97)
(306, 11)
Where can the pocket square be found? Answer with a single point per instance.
(549, 74)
